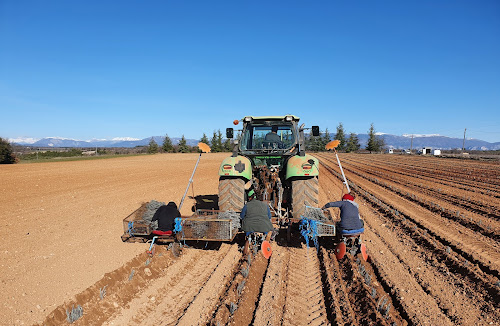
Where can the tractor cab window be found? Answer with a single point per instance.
(268, 137)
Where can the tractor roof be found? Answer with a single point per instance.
(268, 118)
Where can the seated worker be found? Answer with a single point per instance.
(349, 213)
(255, 217)
(165, 216)
(273, 135)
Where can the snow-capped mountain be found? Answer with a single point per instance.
(391, 141)
(435, 141)
(115, 142)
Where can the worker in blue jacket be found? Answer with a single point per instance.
(349, 213)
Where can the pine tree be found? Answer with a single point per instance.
(213, 142)
(352, 143)
(326, 139)
(153, 147)
(183, 147)
(219, 140)
(315, 143)
(227, 146)
(216, 141)
(6, 153)
(380, 143)
(375, 144)
(167, 146)
(371, 144)
(340, 136)
(204, 139)
(310, 143)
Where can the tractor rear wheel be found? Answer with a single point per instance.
(304, 193)
(231, 194)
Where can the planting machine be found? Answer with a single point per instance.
(269, 157)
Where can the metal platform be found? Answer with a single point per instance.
(134, 225)
(208, 225)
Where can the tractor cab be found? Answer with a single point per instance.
(268, 141)
(268, 137)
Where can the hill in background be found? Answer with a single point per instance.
(391, 141)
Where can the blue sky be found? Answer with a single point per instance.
(105, 69)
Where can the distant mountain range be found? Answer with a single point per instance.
(391, 141)
(117, 142)
(434, 141)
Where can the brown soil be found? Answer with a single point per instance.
(432, 232)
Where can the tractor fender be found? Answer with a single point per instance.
(238, 166)
(299, 166)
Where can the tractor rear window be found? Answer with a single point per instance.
(267, 137)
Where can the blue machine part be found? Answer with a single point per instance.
(178, 225)
(309, 230)
(130, 228)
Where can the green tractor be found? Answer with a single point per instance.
(269, 156)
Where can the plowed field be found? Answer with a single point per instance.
(432, 232)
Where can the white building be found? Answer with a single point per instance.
(426, 150)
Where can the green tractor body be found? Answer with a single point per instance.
(269, 157)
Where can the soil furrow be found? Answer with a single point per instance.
(304, 303)
(436, 275)
(449, 232)
(482, 206)
(201, 308)
(165, 300)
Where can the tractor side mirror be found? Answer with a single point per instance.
(229, 133)
(315, 130)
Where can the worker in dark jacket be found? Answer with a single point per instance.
(165, 216)
(273, 135)
(349, 213)
(256, 217)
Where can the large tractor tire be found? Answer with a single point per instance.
(231, 194)
(304, 193)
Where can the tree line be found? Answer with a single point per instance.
(217, 144)
(347, 143)
(316, 144)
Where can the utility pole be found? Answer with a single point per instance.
(463, 144)
(411, 145)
